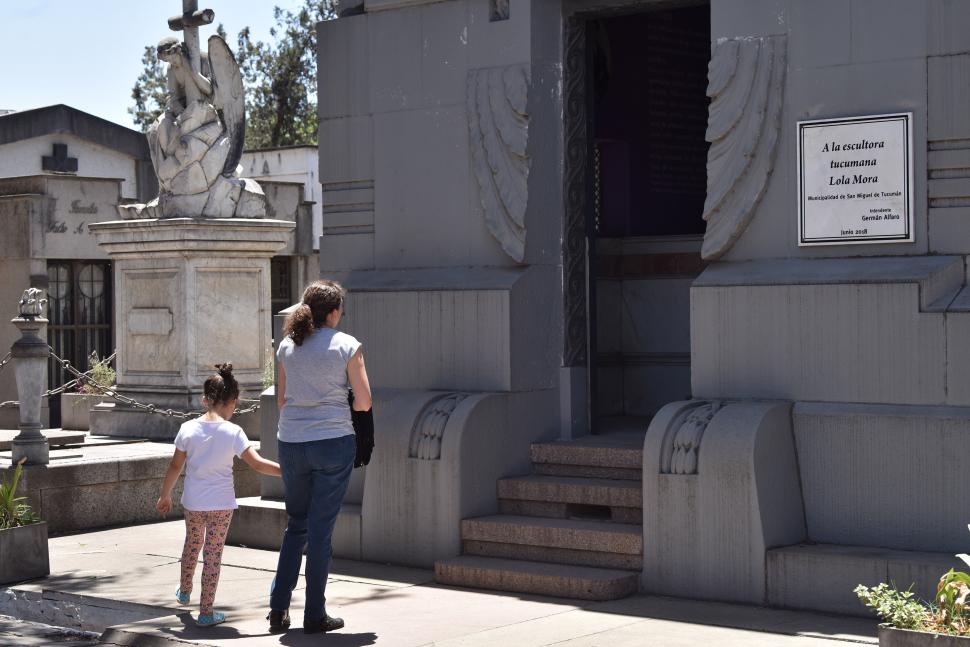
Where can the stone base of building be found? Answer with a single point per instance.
(827, 445)
(437, 457)
(108, 486)
(259, 523)
(116, 419)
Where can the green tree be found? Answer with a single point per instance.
(149, 91)
(280, 78)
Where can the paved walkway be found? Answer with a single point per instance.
(389, 605)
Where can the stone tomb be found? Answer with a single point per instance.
(191, 293)
(810, 429)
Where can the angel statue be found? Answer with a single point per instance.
(197, 141)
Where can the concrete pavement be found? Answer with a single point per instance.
(136, 568)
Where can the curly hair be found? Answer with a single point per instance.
(221, 387)
(320, 298)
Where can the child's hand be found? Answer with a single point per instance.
(164, 505)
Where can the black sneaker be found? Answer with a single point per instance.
(324, 624)
(279, 621)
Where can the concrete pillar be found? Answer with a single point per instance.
(30, 354)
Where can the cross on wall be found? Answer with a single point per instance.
(59, 162)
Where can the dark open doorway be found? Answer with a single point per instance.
(647, 116)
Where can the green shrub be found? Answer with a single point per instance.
(897, 608)
(948, 613)
(100, 376)
(13, 511)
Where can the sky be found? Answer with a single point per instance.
(87, 53)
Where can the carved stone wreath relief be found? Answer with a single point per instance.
(498, 129)
(746, 83)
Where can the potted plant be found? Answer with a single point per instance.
(76, 407)
(908, 622)
(23, 537)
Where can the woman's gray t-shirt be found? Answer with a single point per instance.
(315, 403)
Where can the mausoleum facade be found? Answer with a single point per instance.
(738, 227)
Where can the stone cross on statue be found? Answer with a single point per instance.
(190, 20)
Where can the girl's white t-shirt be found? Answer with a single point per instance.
(208, 469)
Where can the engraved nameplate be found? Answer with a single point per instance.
(150, 321)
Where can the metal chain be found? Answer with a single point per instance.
(61, 389)
(150, 408)
(9, 403)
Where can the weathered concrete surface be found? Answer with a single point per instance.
(259, 523)
(400, 607)
(821, 577)
(432, 468)
(105, 483)
(23, 553)
(33, 634)
(707, 532)
(784, 330)
(55, 437)
(861, 465)
(169, 337)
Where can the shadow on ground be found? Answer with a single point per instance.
(297, 639)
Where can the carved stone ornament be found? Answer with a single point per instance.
(682, 440)
(197, 141)
(746, 86)
(429, 428)
(498, 128)
(32, 303)
(575, 182)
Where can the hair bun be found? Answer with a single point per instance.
(225, 370)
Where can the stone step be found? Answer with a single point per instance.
(259, 523)
(529, 553)
(611, 451)
(552, 510)
(577, 582)
(571, 534)
(821, 577)
(588, 471)
(607, 493)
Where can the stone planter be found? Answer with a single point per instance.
(76, 410)
(23, 553)
(890, 637)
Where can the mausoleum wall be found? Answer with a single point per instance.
(865, 58)
(24, 157)
(868, 342)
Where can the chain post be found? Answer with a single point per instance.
(30, 368)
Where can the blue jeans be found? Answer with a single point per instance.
(315, 478)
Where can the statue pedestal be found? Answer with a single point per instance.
(189, 293)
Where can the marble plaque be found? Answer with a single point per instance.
(230, 319)
(855, 180)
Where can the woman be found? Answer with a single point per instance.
(317, 365)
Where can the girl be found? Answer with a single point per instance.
(209, 443)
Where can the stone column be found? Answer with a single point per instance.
(30, 354)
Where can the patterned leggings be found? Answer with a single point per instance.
(208, 530)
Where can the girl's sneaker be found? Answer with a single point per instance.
(183, 598)
(209, 619)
